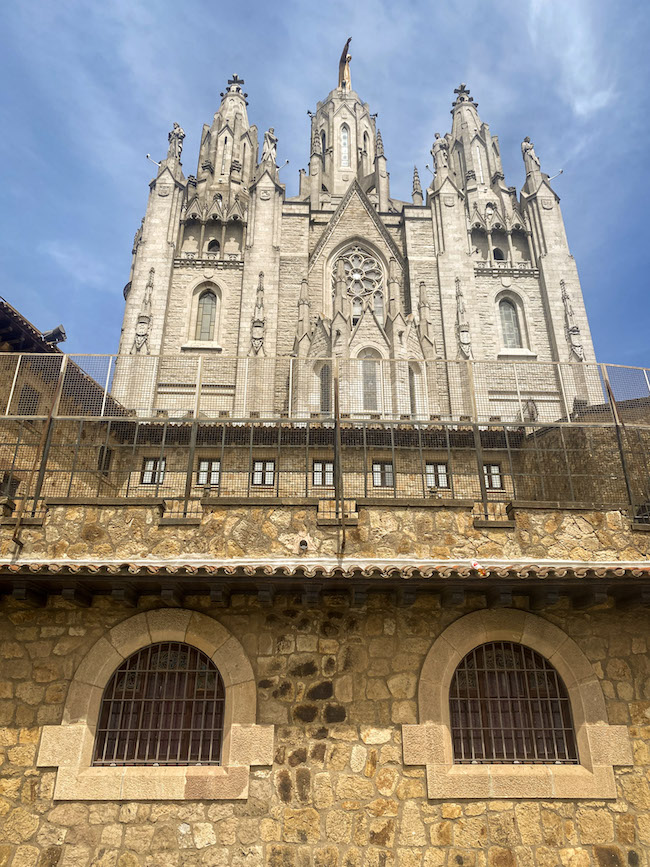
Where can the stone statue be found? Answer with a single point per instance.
(345, 81)
(571, 328)
(531, 160)
(143, 324)
(462, 325)
(270, 146)
(440, 152)
(175, 139)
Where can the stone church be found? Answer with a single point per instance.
(225, 265)
(342, 560)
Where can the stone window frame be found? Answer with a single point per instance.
(601, 746)
(69, 746)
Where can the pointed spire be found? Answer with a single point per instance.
(379, 145)
(316, 144)
(417, 188)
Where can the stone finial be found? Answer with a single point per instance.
(379, 147)
(462, 325)
(316, 144)
(417, 188)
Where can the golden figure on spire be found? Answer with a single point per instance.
(345, 82)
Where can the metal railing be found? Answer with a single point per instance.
(187, 429)
(206, 386)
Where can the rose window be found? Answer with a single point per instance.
(363, 273)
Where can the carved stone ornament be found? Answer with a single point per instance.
(449, 201)
(258, 322)
(547, 203)
(164, 187)
(462, 325)
(143, 323)
(571, 328)
(265, 195)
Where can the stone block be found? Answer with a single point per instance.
(251, 744)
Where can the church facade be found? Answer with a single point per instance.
(226, 266)
(342, 561)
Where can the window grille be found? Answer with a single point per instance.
(208, 473)
(104, 460)
(509, 705)
(492, 476)
(163, 706)
(382, 474)
(326, 388)
(437, 475)
(153, 471)
(323, 473)
(263, 473)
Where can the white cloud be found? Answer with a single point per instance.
(74, 262)
(565, 34)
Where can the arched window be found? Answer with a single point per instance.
(223, 155)
(413, 390)
(510, 328)
(370, 379)
(213, 246)
(366, 152)
(357, 309)
(378, 306)
(323, 142)
(508, 704)
(163, 706)
(498, 255)
(206, 316)
(345, 145)
(325, 388)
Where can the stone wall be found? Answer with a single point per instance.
(122, 532)
(337, 683)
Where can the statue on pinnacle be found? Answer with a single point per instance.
(345, 82)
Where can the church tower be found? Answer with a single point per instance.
(271, 292)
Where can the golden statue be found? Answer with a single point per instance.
(344, 68)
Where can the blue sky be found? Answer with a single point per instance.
(90, 88)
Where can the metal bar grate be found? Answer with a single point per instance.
(163, 706)
(509, 705)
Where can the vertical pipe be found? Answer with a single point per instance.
(290, 398)
(340, 498)
(478, 448)
(108, 379)
(13, 385)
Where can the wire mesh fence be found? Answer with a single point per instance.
(373, 388)
(183, 428)
(186, 462)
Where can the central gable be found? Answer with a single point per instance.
(355, 218)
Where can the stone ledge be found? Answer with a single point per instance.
(640, 528)
(487, 524)
(104, 501)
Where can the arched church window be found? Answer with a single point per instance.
(378, 306)
(223, 155)
(206, 316)
(357, 310)
(370, 369)
(498, 255)
(413, 389)
(345, 145)
(366, 152)
(510, 327)
(364, 280)
(323, 142)
(213, 246)
(325, 388)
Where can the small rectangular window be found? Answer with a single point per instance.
(437, 475)
(153, 471)
(323, 473)
(382, 474)
(104, 459)
(9, 485)
(492, 476)
(263, 473)
(28, 400)
(208, 473)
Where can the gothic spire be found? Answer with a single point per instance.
(417, 187)
(462, 95)
(379, 147)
